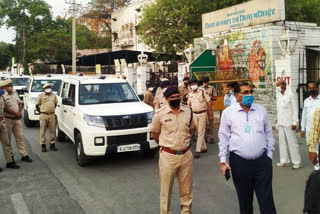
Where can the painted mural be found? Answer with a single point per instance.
(246, 52)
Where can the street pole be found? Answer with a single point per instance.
(74, 62)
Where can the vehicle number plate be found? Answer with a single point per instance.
(129, 148)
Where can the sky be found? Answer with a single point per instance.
(59, 7)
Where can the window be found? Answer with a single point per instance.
(38, 84)
(65, 90)
(19, 81)
(72, 93)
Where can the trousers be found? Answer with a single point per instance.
(15, 127)
(288, 141)
(6, 145)
(200, 123)
(50, 121)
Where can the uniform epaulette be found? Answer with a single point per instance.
(160, 109)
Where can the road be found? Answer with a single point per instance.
(128, 183)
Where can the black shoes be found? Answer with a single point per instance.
(12, 165)
(26, 159)
(53, 147)
(43, 148)
(1, 169)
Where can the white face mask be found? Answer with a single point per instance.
(194, 87)
(48, 90)
(150, 89)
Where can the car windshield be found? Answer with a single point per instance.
(106, 93)
(38, 84)
(19, 81)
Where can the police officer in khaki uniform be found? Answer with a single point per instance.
(200, 103)
(159, 99)
(213, 96)
(184, 90)
(46, 104)
(148, 96)
(4, 138)
(13, 108)
(171, 128)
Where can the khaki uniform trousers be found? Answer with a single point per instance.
(6, 145)
(50, 121)
(15, 127)
(200, 123)
(170, 166)
(210, 129)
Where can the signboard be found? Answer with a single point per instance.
(98, 69)
(123, 64)
(117, 66)
(243, 15)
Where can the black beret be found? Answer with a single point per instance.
(205, 79)
(193, 81)
(186, 78)
(173, 89)
(164, 83)
(149, 85)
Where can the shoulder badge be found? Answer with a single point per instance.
(160, 109)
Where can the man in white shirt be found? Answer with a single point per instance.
(309, 106)
(287, 114)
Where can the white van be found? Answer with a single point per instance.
(32, 91)
(103, 116)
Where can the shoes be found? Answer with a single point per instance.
(283, 164)
(296, 166)
(197, 155)
(12, 165)
(204, 151)
(26, 159)
(43, 148)
(53, 147)
(1, 169)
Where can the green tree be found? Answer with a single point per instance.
(5, 55)
(303, 11)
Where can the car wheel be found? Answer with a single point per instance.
(60, 135)
(26, 120)
(82, 159)
(151, 152)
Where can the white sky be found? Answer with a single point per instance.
(59, 7)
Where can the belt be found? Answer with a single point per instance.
(199, 112)
(175, 152)
(46, 113)
(11, 118)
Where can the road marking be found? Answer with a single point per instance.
(19, 204)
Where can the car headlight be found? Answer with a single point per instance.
(33, 100)
(94, 120)
(150, 116)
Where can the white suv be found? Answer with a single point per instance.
(32, 91)
(19, 84)
(103, 116)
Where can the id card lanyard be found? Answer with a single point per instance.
(247, 127)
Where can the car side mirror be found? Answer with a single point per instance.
(67, 101)
(141, 97)
(25, 90)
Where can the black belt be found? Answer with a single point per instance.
(12, 118)
(200, 112)
(175, 152)
(46, 113)
(263, 154)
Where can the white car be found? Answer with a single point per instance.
(103, 116)
(19, 83)
(32, 91)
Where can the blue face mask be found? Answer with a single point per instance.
(247, 100)
(2, 91)
(231, 92)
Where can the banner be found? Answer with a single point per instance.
(98, 69)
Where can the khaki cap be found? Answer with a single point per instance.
(47, 85)
(7, 82)
(164, 79)
(2, 83)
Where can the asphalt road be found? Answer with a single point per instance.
(128, 183)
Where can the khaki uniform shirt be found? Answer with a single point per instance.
(47, 102)
(211, 91)
(12, 101)
(198, 100)
(174, 128)
(184, 91)
(2, 103)
(148, 98)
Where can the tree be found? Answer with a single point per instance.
(168, 26)
(303, 11)
(5, 54)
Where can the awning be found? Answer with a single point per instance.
(314, 48)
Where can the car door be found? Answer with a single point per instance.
(61, 108)
(69, 110)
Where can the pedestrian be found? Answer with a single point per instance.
(313, 138)
(184, 90)
(46, 104)
(148, 96)
(13, 108)
(287, 120)
(246, 132)
(159, 99)
(312, 196)
(309, 106)
(229, 98)
(212, 92)
(200, 103)
(4, 137)
(171, 129)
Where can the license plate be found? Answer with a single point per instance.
(129, 148)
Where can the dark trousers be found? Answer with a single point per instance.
(251, 176)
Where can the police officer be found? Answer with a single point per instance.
(213, 96)
(184, 90)
(46, 104)
(4, 138)
(148, 96)
(200, 103)
(171, 129)
(13, 108)
(159, 99)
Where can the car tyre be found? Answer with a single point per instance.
(26, 120)
(151, 152)
(60, 135)
(82, 159)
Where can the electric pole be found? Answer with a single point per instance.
(74, 54)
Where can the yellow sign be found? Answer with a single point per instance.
(98, 69)
(243, 15)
